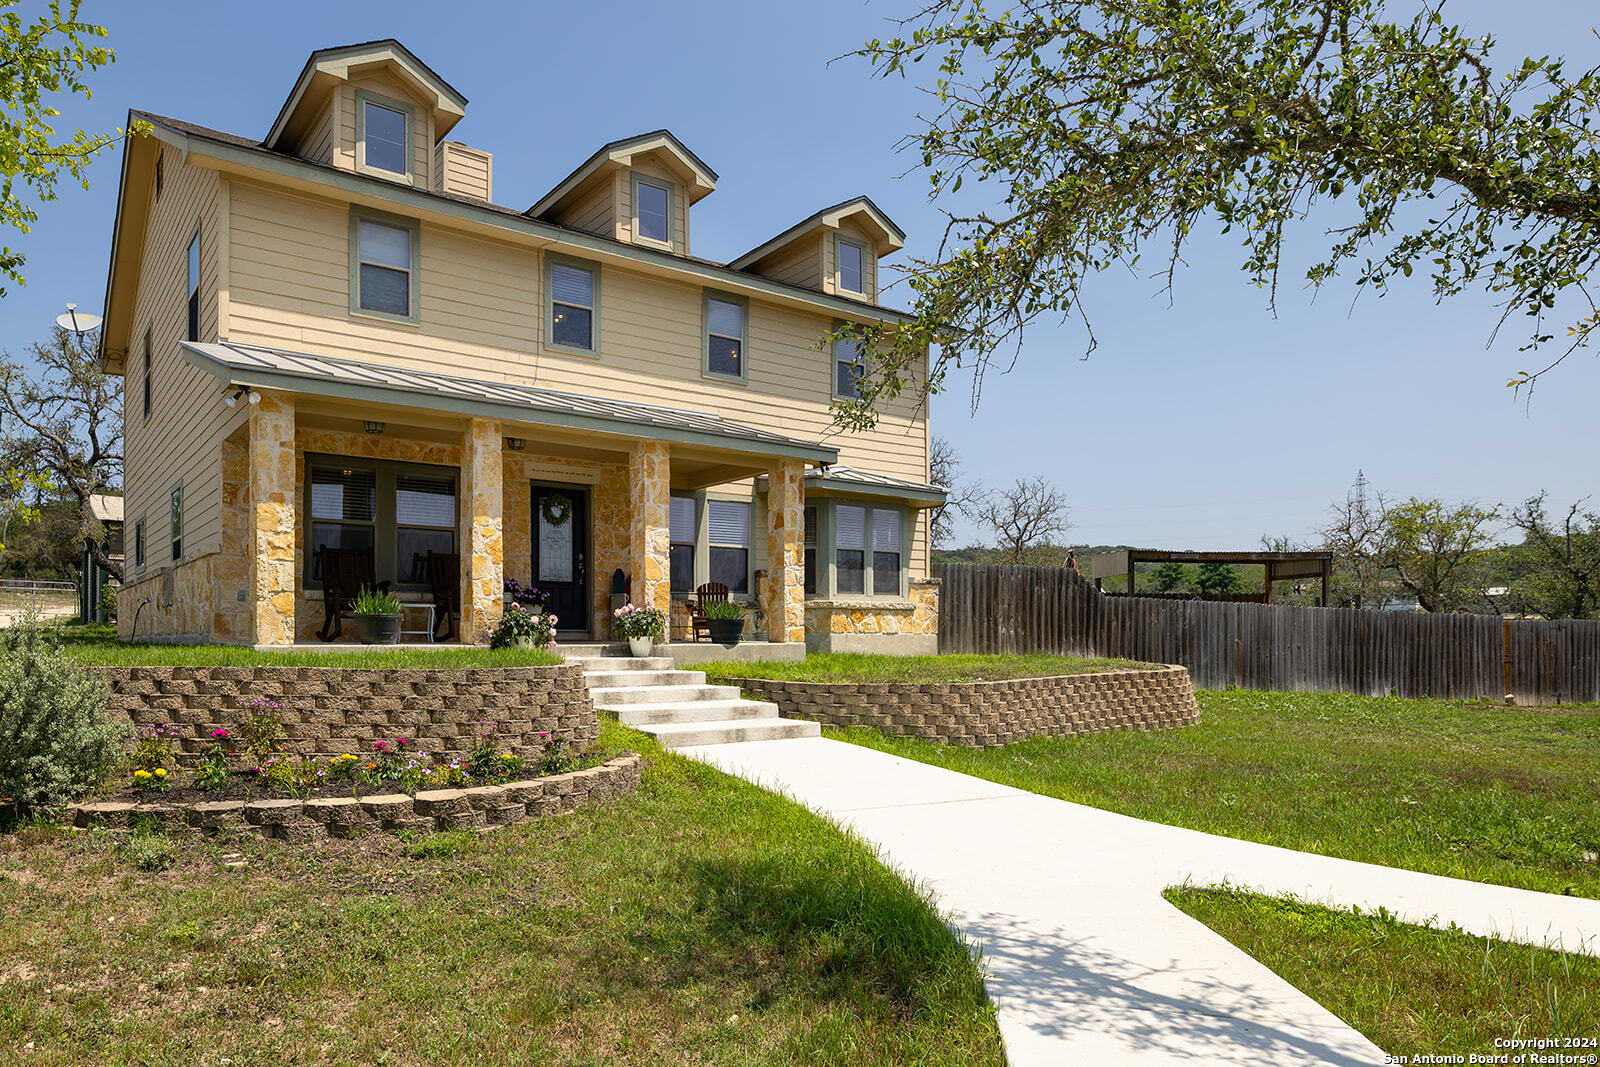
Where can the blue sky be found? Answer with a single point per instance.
(1199, 422)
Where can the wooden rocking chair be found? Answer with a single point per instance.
(345, 572)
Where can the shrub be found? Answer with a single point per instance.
(56, 740)
(108, 603)
(151, 851)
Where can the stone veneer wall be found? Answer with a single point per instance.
(329, 710)
(915, 617)
(980, 714)
(429, 811)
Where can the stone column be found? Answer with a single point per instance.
(272, 537)
(785, 597)
(649, 480)
(483, 530)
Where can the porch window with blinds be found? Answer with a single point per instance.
(424, 521)
(850, 549)
(885, 552)
(730, 544)
(344, 511)
(811, 550)
(682, 529)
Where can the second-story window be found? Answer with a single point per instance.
(846, 368)
(574, 294)
(385, 275)
(193, 333)
(384, 138)
(850, 256)
(652, 211)
(725, 337)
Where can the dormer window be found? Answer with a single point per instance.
(383, 141)
(850, 256)
(652, 211)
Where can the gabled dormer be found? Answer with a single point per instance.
(374, 109)
(637, 190)
(835, 251)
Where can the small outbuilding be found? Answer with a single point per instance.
(107, 510)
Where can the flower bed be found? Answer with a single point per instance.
(300, 819)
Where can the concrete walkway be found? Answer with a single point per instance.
(1087, 963)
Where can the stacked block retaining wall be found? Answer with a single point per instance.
(980, 714)
(328, 710)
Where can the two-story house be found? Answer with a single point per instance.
(334, 337)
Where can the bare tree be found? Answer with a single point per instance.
(65, 422)
(1356, 536)
(1026, 515)
(944, 470)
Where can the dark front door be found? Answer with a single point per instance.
(560, 546)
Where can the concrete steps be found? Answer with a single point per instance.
(677, 707)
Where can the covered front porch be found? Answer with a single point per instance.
(567, 494)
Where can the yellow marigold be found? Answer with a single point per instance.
(508, 756)
(141, 774)
(161, 772)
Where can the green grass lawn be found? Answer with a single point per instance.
(857, 667)
(704, 921)
(1409, 989)
(98, 646)
(1494, 794)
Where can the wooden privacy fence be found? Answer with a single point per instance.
(995, 609)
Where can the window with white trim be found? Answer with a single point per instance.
(385, 138)
(850, 259)
(574, 298)
(681, 522)
(652, 211)
(385, 268)
(729, 522)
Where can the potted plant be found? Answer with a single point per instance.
(377, 617)
(640, 627)
(520, 627)
(727, 621)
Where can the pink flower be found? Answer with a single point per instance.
(219, 733)
(554, 620)
(380, 745)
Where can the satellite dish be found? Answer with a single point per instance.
(77, 321)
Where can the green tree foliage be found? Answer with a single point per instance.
(64, 417)
(18, 492)
(1434, 549)
(56, 740)
(39, 62)
(1217, 579)
(1560, 561)
(1172, 578)
(1104, 129)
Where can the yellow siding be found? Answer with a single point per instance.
(179, 442)
(462, 170)
(481, 314)
(798, 264)
(320, 136)
(595, 210)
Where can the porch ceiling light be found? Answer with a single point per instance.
(373, 427)
(516, 444)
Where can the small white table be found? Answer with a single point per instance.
(426, 610)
